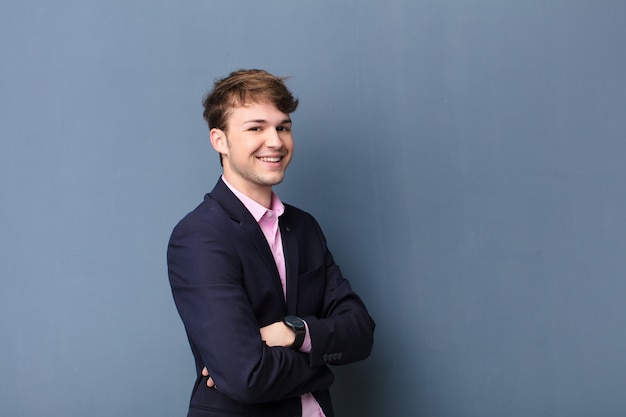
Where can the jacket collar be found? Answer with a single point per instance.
(222, 195)
(230, 203)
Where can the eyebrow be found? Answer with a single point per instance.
(286, 121)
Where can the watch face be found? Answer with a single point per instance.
(297, 325)
(296, 322)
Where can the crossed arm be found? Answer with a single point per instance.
(250, 371)
(275, 334)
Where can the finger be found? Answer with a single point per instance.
(210, 383)
(205, 372)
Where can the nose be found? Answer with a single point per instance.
(273, 139)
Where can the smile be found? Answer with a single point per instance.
(270, 159)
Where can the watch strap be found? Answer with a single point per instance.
(296, 324)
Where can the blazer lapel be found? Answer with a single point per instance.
(290, 249)
(238, 212)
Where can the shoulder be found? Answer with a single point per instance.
(298, 219)
(217, 206)
(206, 210)
(206, 217)
(293, 213)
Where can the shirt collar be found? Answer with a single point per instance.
(257, 210)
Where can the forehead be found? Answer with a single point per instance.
(261, 111)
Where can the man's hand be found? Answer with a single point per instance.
(209, 382)
(278, 334)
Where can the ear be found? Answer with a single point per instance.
(218, 140)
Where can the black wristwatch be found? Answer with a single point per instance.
(296, 324)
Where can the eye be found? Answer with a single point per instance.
(254, 128)
(283, 129)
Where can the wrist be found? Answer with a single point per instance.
(296, 324)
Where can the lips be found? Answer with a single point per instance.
(270, 159)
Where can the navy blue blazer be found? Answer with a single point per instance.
(226, 286)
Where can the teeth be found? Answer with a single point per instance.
(268, 159)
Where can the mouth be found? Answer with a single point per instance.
(270, 158)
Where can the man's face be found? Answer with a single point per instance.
(256, 147)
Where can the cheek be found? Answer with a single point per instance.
(288, 143)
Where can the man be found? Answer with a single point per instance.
(265, 307)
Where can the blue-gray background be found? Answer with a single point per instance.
(466, 158)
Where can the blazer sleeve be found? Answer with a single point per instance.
(206, 279)
(344, 331)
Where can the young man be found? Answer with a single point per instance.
(265, 307)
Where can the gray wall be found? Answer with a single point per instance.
(466, 158)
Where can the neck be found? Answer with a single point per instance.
(260, 194)
(263, 198)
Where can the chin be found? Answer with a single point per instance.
(274, 181)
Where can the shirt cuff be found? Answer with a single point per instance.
(306, 345)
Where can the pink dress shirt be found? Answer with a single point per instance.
(268, 221)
